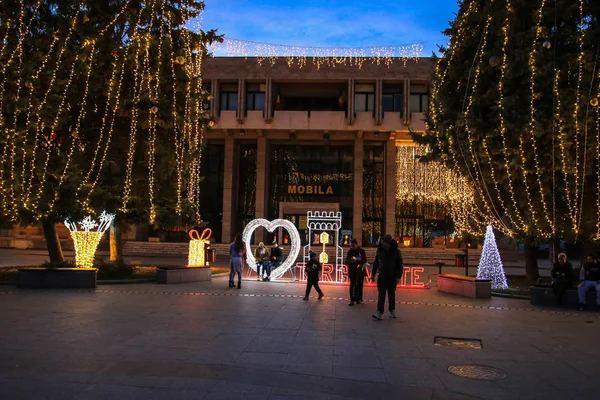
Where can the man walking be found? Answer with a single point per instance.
(356, 259)
(388, 263)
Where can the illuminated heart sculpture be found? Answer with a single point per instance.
(271, 226)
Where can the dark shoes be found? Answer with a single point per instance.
(231, 284)
(320, 296)
(351, 303)
(305, 298)
(581, 307)
(239, 285)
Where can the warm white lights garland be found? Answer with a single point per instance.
(86, 241)
(330, 56)
(271, 226)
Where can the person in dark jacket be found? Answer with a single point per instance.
(313, 268)
(562, 277)
(589, 276)
(276, 258)
(388, 262)
(356, 260)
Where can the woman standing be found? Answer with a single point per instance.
(237, 251)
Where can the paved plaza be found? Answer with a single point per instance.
(206, 341)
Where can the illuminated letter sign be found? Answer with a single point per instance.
(314, 189)
(410, 278)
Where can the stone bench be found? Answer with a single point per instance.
(544, 296)
(183, 274)
(465, 286)
(57, 277)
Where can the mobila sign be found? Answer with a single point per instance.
(310, 189)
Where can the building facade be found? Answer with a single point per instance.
(289, 139)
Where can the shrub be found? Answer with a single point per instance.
(113, 270)
(64, 264)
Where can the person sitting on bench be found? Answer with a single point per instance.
(589, 276)
(562, 277)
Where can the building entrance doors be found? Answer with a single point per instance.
(296, 213)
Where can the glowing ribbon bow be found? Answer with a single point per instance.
(197, 245)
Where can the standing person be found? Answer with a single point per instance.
(313, 268)
(237, 252)
(276, 258)
(388, 262)
(261, 257)
(589, 276)
(562, 277)
(356, 259)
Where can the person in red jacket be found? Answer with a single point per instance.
(356, 260)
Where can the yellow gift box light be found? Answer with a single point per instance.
(197, 256)
(86, 241)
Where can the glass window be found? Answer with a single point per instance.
(392, 102)
(364, 102)
(229, 101)
(255, 101)
(419, 98)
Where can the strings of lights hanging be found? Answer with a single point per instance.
(106, 75)
(320, 56)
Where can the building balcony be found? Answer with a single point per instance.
(417, 121)
(319, 120)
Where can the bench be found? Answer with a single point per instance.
(182, 274)
(465, 286)
(542, 295)
(37, 277)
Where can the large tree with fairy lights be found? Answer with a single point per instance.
(515, 110)
(100, 108)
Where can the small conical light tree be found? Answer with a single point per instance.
(490, 264)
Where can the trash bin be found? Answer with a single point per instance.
(460, 261)
(210, 255)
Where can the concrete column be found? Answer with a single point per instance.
(378, 100)
(350, 101)
(228, 182)
(268, 101)
(241, 106)
(215, 102)
(407, 100)
(390, 187)
(357, 180)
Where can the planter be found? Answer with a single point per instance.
(57, 277)
(465, 286)
(183, 274)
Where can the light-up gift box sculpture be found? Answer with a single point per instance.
(198, 243)
(86, 241)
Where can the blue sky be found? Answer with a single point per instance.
(333, 23)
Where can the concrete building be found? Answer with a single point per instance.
(287, 140)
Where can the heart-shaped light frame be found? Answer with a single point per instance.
(271, 226)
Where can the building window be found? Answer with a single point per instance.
(419, 98)
(392, 98)
(373, 195)
(246, 196)
(229, 96)
(364, 98)
(211, 187)
(255, 97)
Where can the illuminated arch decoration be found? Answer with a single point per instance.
(86, 241)
(323, 222)
(197, 253)
(271, 226)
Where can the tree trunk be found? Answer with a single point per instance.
(555, 250)
(531, 266)
(52, 242)
(116, 241)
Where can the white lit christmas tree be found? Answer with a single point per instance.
(490, 264)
